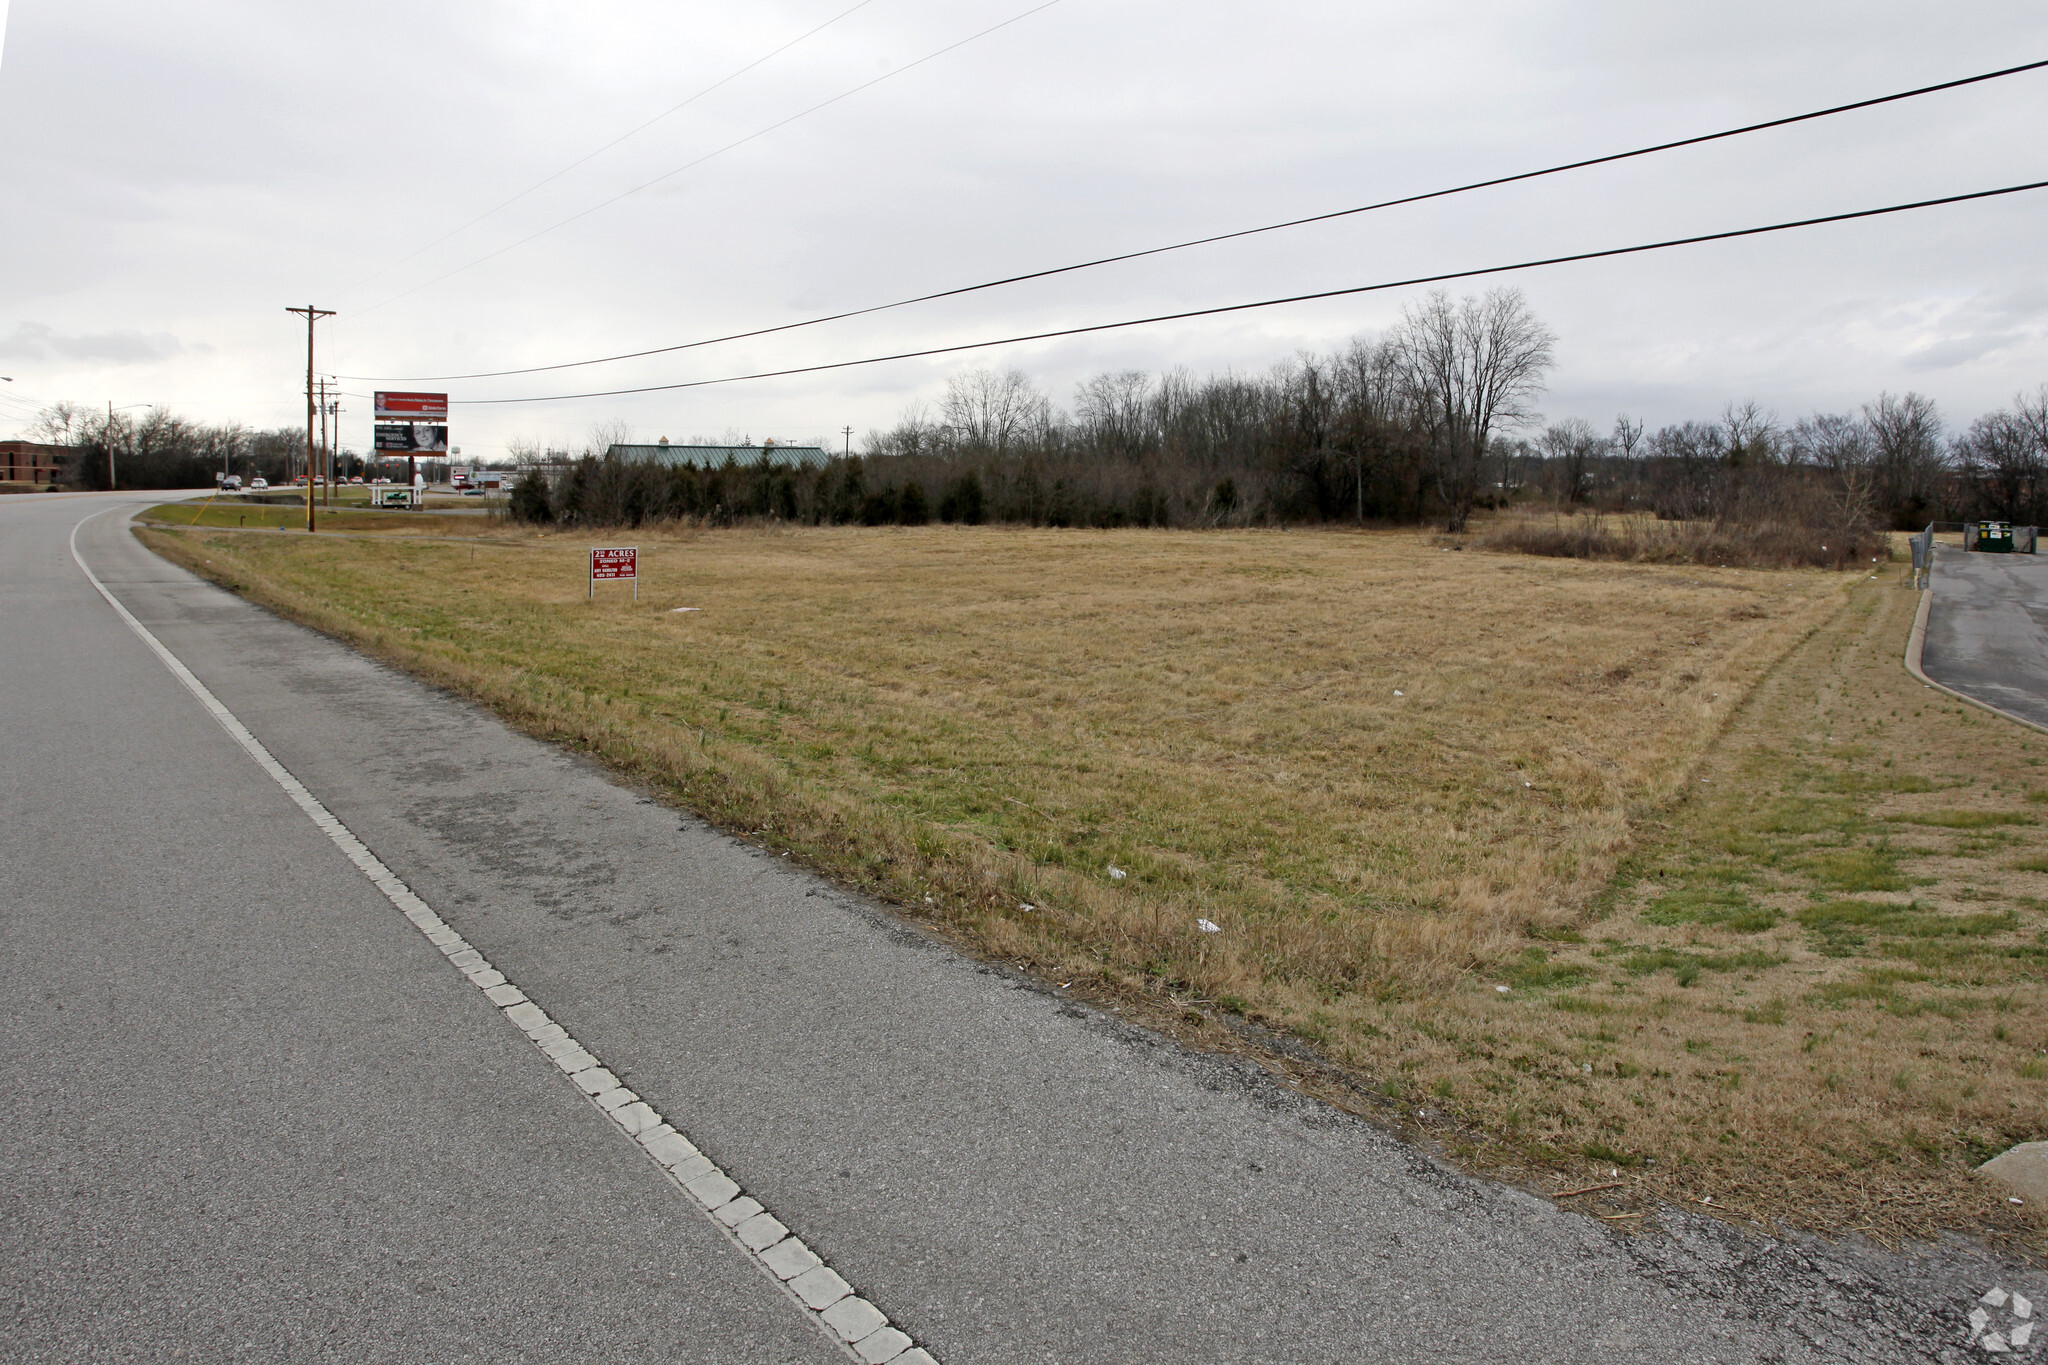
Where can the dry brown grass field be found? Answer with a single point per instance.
(1568, 867)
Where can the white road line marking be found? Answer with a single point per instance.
(851, 1323)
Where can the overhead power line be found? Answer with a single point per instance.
(689, 165)
(1274, 303)
(1247, 232)
(629, 133)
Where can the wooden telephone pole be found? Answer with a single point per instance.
(330, 438)
(312, 315)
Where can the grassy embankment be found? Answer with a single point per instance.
(230, 512)
(1789, 958)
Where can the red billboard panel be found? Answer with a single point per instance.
(417, 407)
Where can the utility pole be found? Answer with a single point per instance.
(110, 445)
(312, 315)
(334, 447)
(848, 433)
(330, 437)
(325, 498)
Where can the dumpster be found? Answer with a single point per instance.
(1988, 537)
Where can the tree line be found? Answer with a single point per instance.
(1893, 456)
(1428, 422)
(158, 449)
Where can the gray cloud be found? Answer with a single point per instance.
(1942, 355)
(40, 341)
(208, 183)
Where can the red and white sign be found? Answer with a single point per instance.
(417, 407)
(605, 564)
(611, 565)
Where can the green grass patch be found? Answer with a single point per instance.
(1811, 815)
(1842, 918)
(1877, 985)
(1600, 1151)
(1723, 906)
(1537, 972)
(1686, 967)
(1857, 783)
(271, 516)
(1856, 869)
(1965, 819)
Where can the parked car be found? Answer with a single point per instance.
(355, 478)
(231, 484)
(257, 485)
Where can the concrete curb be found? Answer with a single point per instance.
(1917, 641)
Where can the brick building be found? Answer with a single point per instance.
(30, 462)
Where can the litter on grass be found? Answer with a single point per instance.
(1502, 989)
(677, 609)
(1208, 926)
(1116, 873)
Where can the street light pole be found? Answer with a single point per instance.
(312, 315)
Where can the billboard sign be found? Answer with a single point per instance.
(412, 407)
(412, 438)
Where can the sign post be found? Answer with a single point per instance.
(615, 564)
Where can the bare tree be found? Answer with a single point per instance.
(1115, 414)
(995, 413)
(60, 424)
(1907, 435)
(1752, 434)
(613, 431)
(1830, 441)
(1570, 449)
(915, 434)
(1627, 439)
(1474, 367)
(2031, 412)
(2004, 463)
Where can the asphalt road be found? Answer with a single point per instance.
(1987, 635)
(251, 1113)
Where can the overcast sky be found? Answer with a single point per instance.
(178, 175)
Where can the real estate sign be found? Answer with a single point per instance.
(613, 564)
